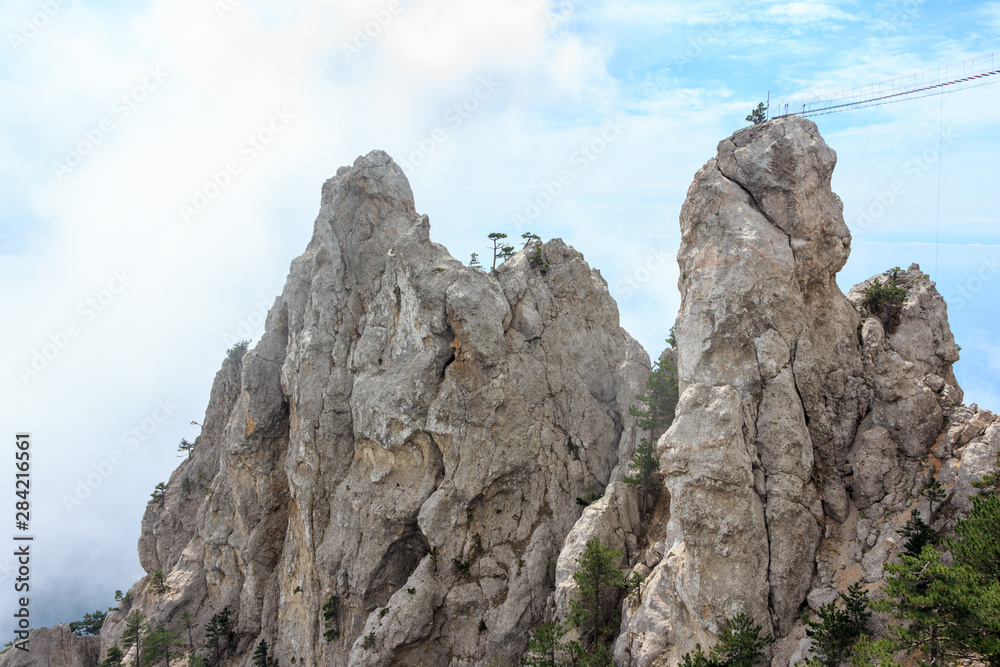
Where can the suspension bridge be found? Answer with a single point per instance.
(970, 73)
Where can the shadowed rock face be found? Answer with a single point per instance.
(408, 438)
(776, 382)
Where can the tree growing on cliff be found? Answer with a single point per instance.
(758, 115)
(113, 658)
(261, 657)
(135, 633)
(659, 401)
(544, 648)
(740, 645)
(236, 352)
(496, 238)
(838, 630)
(949, 611)
(644, 466)
(160, 647)
(90, 624)
(159, 493)
(219, 636)
(659, 404)
(599, 587)
(187, 618)
(187, 447)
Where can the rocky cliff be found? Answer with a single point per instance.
(396, 473)
(405, 444)
(799, 410)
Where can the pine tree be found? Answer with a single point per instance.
(544, 649)
(659, 401)
(261, 658)
(599, 586)
(186, 446)
(917, 535)
(90, 624)
(758, 115)
(160, 647)
(187, 619)
(934, 493)
(739, 645)
(832, 635)
(159, 493)
(219, 637)
(857, 605)
(645, 465)
(951, 611)
(113, 657)
(656, 415)
(134, 634)
(330, 618)
(496, 237)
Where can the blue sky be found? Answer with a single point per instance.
(532, 81)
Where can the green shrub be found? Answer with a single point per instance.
(740, 645)
(236, 352)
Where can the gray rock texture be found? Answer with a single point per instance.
(58, 645)
(798, 409)
(408, 439)
(396, 473)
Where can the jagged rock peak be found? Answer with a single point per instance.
(779, 389)
(387, 477)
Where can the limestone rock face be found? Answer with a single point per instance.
(404, 447)
(57, 645)
(794, 398)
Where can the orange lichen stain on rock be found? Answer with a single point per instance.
(251, 424)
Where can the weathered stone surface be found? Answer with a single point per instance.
(411, 440)
(877, 468)
(408, 438)
(919, 347)
(57, 645)
(769, 368)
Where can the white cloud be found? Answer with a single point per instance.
(990, 13)
(808, 11)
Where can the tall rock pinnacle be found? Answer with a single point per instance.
(392, 469)
(772, 370)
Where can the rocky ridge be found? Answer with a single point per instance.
(408, 440)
